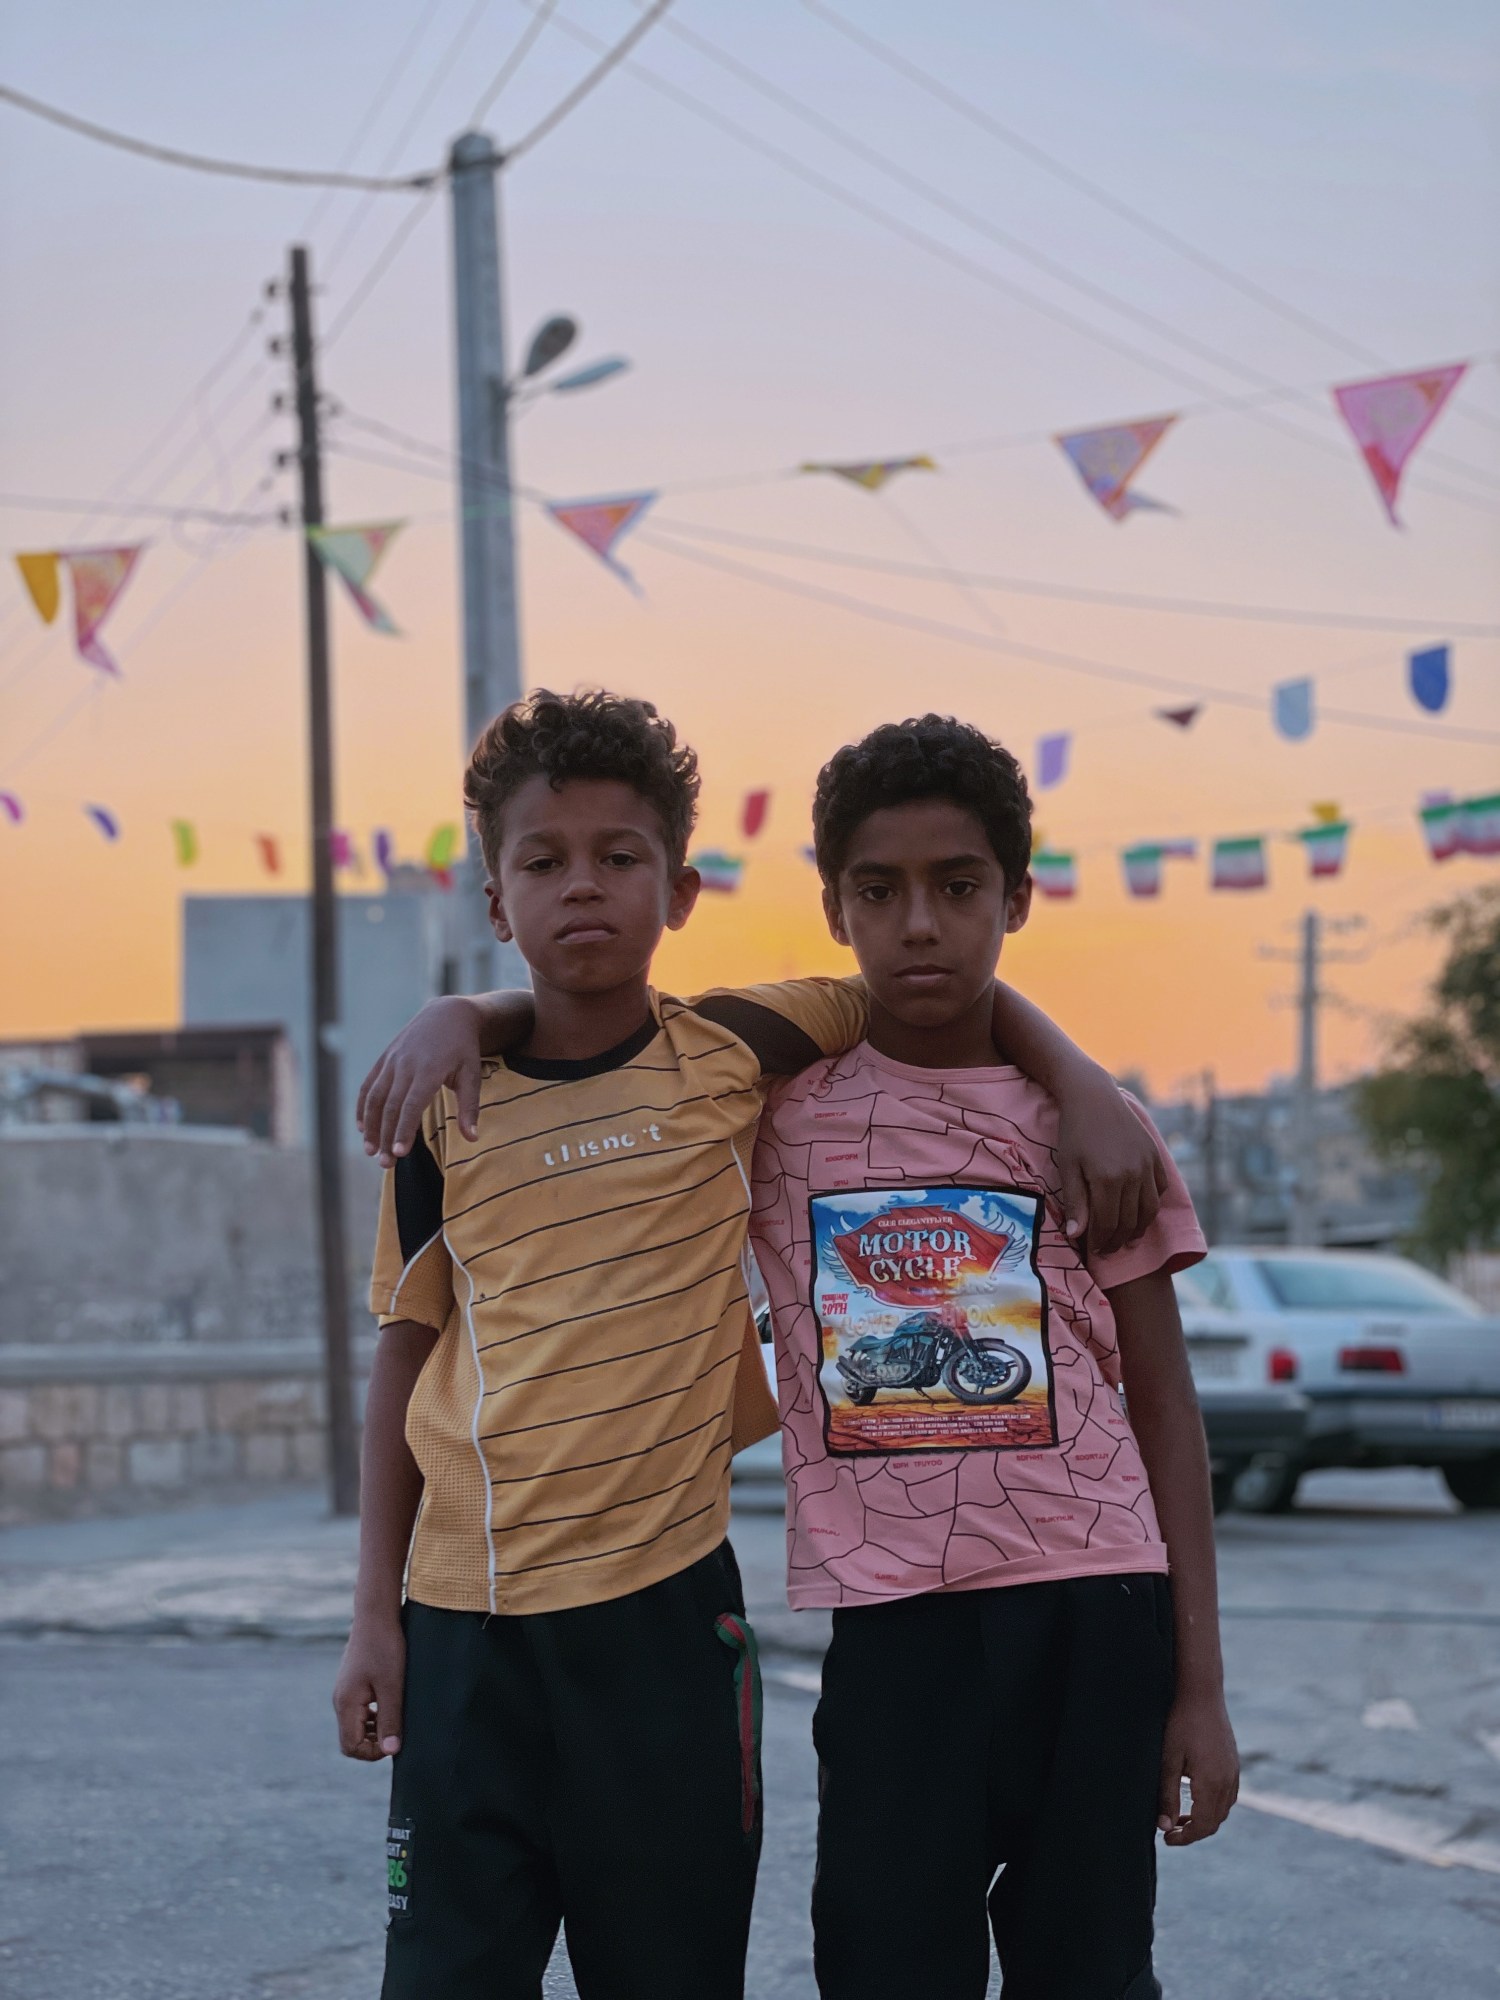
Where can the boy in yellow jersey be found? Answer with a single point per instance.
(565, 1365)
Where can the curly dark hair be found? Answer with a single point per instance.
(593, 734)
(927, 757)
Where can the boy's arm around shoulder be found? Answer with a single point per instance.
(442, 1044)
(1164, 1414)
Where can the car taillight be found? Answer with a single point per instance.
(1281, 1365)
(1372, 1360)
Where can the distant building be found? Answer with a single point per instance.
(1236, 1156)
(245, 958)
(238, 1077)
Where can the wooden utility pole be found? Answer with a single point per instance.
(332, 1246)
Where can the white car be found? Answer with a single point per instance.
(1398, 1368)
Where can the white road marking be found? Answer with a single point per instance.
(1377, 1826)
(1394, 1713)
(795, 1677)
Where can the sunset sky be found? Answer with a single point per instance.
(1340, 158)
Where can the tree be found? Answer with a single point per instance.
(1437, 1104)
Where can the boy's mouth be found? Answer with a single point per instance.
(922, 978)
(587, 931)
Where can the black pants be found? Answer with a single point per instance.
(1019, 1726)
(596, 1768)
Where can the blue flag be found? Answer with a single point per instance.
(1051, 760)
(1292, 709)
(1429, 677)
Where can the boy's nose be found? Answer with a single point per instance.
(921, 920)
(582, 887)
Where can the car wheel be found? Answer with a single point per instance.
(1268, 1485)
(1474, 1482)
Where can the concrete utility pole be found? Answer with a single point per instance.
(332, 1246)
(1303, 1222)
(492, 640)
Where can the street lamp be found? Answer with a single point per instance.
(549, 344)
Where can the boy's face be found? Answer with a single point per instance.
(922, 900)
(586, 886)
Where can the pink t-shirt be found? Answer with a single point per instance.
(947, 1366)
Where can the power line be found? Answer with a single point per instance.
(1045, 656)
(984, 273)
(1081, 594)
(1052, 267)
(611, 58)
(513, 61)
(1094, 190)
(122, 506)
(203, 163)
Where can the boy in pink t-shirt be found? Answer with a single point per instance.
(1012, 1684)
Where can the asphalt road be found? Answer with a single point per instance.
(179, 1825)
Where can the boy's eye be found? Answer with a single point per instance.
(876, 892)
(539, 864)
(622, 859)
(961, 886)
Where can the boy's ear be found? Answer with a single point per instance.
(833, 910)
(683, 896)
(1018, 905)
(496, 905)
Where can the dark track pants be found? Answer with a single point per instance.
(1019, 1726)
(597, 1769)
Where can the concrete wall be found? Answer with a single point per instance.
(245, 958)
(160, 1324)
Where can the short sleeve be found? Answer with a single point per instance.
(1174, 1240)
(833, 1014)
(412, 1277)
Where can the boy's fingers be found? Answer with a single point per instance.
(388, 1698)
(1104, 1216)
(1129, 1225)
(371, 1105)
(395, 1098)
(352, 1708)
(409, 1122)
(466, 1091)
(1169, 1797)
(1075, 1201)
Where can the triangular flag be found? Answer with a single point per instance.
(599, 524)
(185, 840)
(1326, 813)
(871, 473)
(1479, 824)
(1239, 864)
(11, 806)
(1181, 718)
(105, 820)
(270, 852)
(1390, 415)
(1052, 760)
(355, 554)
(442, 846)
(719, 871)
(39, 574)
(1429, 677)
(1292, 709)
(1142, 865)
(1327, 845)
(99, 575)
(385, 850)
(1107, 460)
(1055, 875)
(1442, 828)
(753, 814)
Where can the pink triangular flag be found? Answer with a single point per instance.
(354, 554)
(1390, 415)
(99, 575)
(599, 524)
(1107, 460)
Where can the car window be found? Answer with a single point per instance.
(1358, 1284)
(1191, 1296)
(1212, 1281)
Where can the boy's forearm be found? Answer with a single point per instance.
(1031, 1040)
(390, 1486)
(504, 1018)
(1168, 1425)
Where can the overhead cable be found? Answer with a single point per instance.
(203, 163)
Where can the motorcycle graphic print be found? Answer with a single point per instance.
(932, 1319)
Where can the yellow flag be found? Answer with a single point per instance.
(1326, 813)
(39, 574)
(185, 838)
